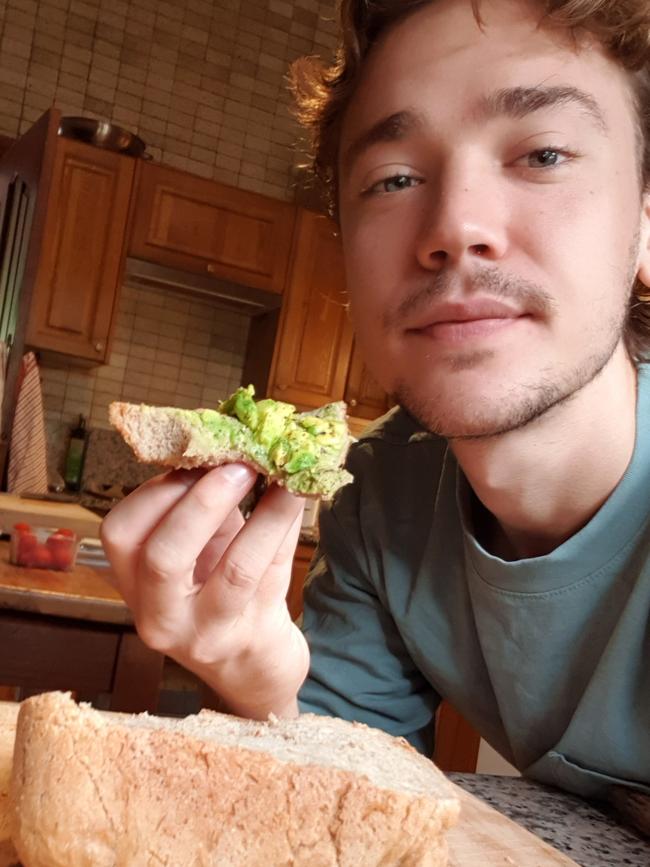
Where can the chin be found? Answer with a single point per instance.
(457, 410)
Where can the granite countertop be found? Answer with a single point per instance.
(589, 833)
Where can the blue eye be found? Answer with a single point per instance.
(394, 184)
(546, 158)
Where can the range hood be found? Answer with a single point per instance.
(245, 299)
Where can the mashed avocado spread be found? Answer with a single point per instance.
(304, 449)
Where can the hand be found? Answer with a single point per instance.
(207, 588)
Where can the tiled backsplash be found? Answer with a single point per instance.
(202, 81)
(168, 349)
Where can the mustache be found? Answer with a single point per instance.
(525, 294)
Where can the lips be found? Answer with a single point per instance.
(458, 313)
(454, 323)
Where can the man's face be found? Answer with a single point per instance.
(490, 213)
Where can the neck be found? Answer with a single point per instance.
(542, 483)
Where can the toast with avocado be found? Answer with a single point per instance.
(304, 452)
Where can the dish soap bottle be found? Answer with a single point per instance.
(74, 459)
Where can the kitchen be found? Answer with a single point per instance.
(218, 210)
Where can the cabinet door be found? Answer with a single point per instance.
(364, 397)
(315, 336)
(81, 258)
(299, 570)
(195, 224)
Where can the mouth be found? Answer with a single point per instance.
(461, 322)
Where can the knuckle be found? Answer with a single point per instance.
(108, 532)
(153, 636)
(203, 652)
(159, 562)
(241, 572)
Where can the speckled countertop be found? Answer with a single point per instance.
(588, 833)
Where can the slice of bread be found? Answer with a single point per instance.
(96, 790)
(172, 438)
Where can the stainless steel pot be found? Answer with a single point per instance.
(103, 134)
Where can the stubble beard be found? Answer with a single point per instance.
(525, 402)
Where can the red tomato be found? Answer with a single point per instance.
(64, 531)
(62, 548)
(22, 527)
(41, 557)
(25, 545)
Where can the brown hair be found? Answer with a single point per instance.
(323, 93)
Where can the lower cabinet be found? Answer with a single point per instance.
(300, 568)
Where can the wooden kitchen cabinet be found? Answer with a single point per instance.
(365, 399)
(314, 341)
(299, 570)
(80, 260)
(186, 222)
(315, 361)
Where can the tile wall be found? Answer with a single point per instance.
(203, 83)
(168, 349)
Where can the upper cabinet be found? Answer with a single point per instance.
(365, 399)
(314, 360)
(193, 224)
(65, 207)
(314, 342)
(80, 260)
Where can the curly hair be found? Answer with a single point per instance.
(322, 93)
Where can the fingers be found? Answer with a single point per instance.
(213, 551)
(158, 531)
(277, 578)
(267, 540)
(127, 526)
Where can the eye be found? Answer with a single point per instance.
(546, 158)
(393, 184)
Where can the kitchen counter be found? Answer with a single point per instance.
(588, 833)
(82, 593)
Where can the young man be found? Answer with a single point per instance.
(489, 174)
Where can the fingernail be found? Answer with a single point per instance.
(236, 474)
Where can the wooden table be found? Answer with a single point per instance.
(72, 631)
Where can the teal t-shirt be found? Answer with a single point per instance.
(548, 657)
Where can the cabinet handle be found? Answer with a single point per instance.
(282, 387)
(99, 347)
(210, 268)
(353, 402)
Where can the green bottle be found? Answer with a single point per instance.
(74, 459)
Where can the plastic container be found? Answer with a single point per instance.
(43, 548)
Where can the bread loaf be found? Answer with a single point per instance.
(96, 790)
(8, 713)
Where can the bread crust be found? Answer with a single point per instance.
(8, 713)
(92, 793)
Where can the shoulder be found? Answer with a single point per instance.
(395, 464)
(397, 436)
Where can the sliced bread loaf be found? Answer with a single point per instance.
(8, 714)
(97, 790)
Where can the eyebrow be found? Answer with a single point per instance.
(518, 102)
(515, 102)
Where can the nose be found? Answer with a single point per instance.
(463, 222)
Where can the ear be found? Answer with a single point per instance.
(643, 272)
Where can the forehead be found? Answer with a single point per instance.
(441, 62)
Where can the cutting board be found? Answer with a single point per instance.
(485, 837)
(42, 513)
(482, 836)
